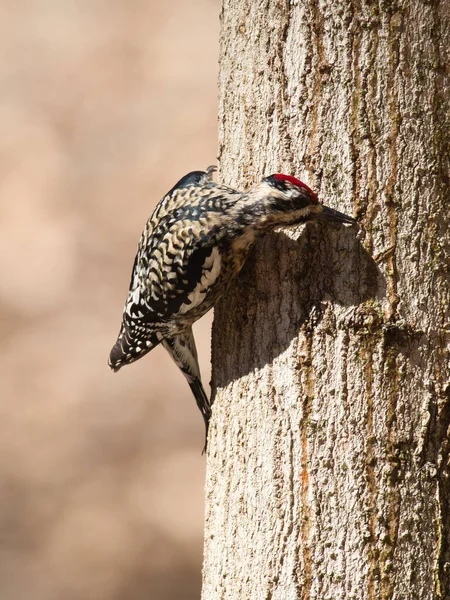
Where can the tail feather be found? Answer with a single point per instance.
(181, 348)
(203, 404)
(134, 344)
(130, 348)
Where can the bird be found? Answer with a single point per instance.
(194, 244)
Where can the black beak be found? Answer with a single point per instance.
(332, 216)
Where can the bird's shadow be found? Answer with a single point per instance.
(308, 273)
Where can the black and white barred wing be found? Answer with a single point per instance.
(176, 267)
(183, 267)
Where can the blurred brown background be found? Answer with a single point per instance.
(104, 104)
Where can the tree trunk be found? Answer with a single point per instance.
(328, 460)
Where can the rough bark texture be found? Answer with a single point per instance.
(328, 461)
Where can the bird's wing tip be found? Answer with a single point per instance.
(113, 366)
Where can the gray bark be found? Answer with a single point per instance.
(328, 460)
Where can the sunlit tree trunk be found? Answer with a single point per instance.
(328, 461)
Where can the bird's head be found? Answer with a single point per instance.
(300, 197)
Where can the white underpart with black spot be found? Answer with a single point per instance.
(210, 272)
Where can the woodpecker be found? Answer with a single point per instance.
(193, 245)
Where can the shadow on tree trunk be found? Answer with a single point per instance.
(320, 267)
